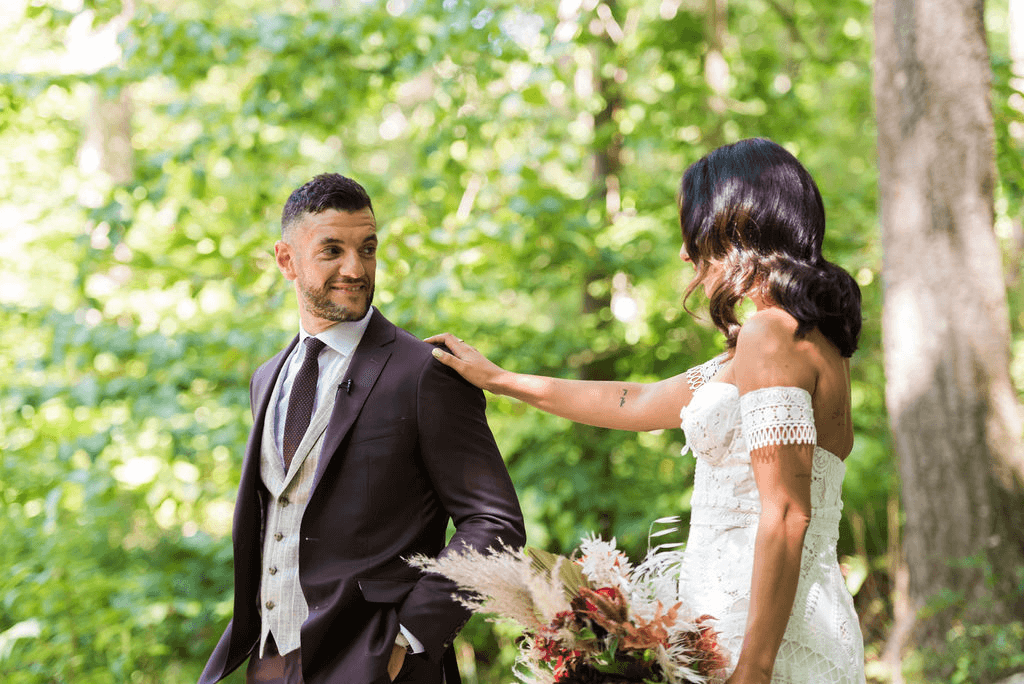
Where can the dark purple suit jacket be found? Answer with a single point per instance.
(407, 448)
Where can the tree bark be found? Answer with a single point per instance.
(107, 145)
(952, 408)
(606, 165)
(716, 69)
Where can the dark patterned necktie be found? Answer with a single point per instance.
(300, 402)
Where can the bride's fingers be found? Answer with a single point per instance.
(450, 360)
(443, 356)
(464, 360)
(455, 344)
(446, 338)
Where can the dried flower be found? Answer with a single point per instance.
(591, 618)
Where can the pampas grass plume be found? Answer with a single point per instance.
(502, 583)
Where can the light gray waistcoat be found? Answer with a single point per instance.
(282, 603)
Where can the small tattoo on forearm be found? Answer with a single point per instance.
(622, 399)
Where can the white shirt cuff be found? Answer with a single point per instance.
(412, 643)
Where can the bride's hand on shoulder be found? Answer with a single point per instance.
(470, 364)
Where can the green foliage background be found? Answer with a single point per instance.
(132, 313)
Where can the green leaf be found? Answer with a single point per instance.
(569, 572)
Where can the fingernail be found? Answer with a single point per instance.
(437, 353)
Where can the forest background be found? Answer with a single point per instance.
(524, 162)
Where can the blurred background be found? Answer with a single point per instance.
(523, 160)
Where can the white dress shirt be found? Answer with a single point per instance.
(341, 340)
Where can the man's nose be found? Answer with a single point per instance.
(351, 266)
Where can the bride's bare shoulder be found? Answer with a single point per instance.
(769, 353)
(771, 330)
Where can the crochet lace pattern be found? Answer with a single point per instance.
(699, 375)
(777, 415)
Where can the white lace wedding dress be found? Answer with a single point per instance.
(823, 642)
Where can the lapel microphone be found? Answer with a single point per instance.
(347, 385)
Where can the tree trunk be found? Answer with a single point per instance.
(952, 407)
(107, 145)
(716, 69)
(606, 164)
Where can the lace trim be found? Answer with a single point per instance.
(777, 415)
(698, 376)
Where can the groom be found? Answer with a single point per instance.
(363, 448)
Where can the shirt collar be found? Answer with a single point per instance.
(343, 337)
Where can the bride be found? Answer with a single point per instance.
(768, 421)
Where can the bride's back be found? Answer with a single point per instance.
(831, 396)
(811, 361)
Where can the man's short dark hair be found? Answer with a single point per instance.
(325, 191)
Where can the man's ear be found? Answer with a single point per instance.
(285, 259)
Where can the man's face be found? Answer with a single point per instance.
(332, 258)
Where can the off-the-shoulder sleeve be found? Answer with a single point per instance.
(777, 415)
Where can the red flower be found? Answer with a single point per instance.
(607, 592)
(562, 667)
(707, 654)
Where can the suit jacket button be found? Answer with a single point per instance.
(284, 501)
(272, 571)
(270, 605)
(278, 536)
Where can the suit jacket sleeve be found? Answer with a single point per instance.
(472, 483)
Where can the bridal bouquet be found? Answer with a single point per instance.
(591, 618)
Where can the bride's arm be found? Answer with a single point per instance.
(610, 404)
(766, 357)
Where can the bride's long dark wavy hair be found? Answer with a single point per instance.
(755, 210)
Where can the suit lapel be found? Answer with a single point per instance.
(263, 389)
(368, 361)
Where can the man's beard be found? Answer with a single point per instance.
(319, 303)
